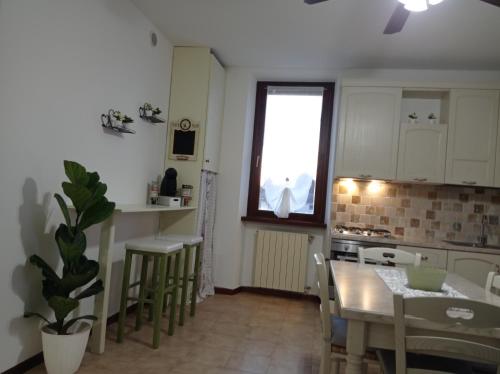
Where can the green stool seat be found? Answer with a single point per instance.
(161, 284)
(193, 244)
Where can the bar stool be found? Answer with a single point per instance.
(161, 285)
(190, 243)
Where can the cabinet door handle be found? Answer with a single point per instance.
(420, 179)
(207, 161)
(365, 176)
(469, 183)
(424, 258)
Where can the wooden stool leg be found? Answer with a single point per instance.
(175, 290)
(154, 278)
(124, 297)
(142, 292)
(185, 283)
(158, 302)
(194, 291)
(165, 301)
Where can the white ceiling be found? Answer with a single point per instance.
(456, 34)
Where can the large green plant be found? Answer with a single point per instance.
(86, 193)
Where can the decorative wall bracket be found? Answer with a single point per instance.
(116, 121)
(150, 114)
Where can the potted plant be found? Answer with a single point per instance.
(65, 339)
(413, 117)
(121, 120)
(156, 111)
(432, 118)
(148, 110)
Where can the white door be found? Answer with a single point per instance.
(368, 132)
(472, 137)
(472, 266)
(422, 153)
(215, 112)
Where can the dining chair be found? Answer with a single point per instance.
(384, 256)
(422, 354)
(334, 328)
(493, 282)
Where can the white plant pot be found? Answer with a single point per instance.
(432, 121)
(149, 113)
(63, 354)
(413, 121)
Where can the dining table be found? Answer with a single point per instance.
(365, 301)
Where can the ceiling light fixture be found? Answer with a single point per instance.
(419, 5)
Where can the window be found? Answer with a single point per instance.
(290, 153)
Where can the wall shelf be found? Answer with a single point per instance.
(109, 123)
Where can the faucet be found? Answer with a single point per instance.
(483, 237)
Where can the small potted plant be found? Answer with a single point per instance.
(413, 117)
(432, 118)
(121, 120)
(148, 110)
(156, 111)
(65, 339)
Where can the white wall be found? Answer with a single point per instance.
(234, 240)
(62, 64)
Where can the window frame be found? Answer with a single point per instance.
(317, 219)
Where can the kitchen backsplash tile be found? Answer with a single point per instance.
(418, 212)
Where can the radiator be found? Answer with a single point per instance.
(281, 260)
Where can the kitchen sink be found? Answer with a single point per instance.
(471, 244)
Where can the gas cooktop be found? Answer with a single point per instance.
(360, 231)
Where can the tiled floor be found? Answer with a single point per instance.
(244, 333)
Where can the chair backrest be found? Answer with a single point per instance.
(493, 282)
(322, 271)
(469, 315)
(382, 255)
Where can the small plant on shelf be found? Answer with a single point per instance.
(123, 118)
(413, 117)
(432, 118)
(150, 114)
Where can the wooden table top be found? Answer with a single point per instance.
(361, 293)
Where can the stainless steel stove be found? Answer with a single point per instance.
(347, 249)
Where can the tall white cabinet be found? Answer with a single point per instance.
(196, 93)
(368, 133)
(472, 139)
(215, 113)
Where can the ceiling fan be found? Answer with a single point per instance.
(403, 10)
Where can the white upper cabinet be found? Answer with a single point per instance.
(422, 153)
(215, 111)
(472, 137)
(368, 133)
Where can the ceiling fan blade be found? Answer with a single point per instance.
(398, 20)
(312, 2)
(492, 2)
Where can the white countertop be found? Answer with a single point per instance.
(438, 244)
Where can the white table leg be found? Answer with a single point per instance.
(356, 346)
(106, 240)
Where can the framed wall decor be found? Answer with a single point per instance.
(183, 143)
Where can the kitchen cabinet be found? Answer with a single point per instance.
(472, 137)
(422, 153)
(436, 258)
(368, 137)
(472, 266)
(214, 116)
(196, 94)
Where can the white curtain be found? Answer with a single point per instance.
(206, 220)
(284, 199)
